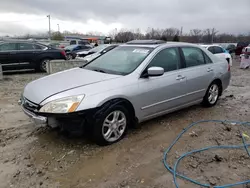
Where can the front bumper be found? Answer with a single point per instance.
(71, 122)
(38, 119)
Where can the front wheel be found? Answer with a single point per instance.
(212, 95)
(111, 126)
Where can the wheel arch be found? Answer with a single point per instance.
(118, 100)
(121, 101)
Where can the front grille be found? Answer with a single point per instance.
(33, 107)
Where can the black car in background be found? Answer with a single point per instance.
(73, 49)
(16, 55)
(229, 47)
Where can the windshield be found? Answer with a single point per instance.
(121, 60)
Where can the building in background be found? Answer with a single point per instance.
(77, 39)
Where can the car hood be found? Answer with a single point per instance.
(91, 56)
(38, 90)
(83, 52)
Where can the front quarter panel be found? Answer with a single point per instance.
(97, 100)
(97, 94)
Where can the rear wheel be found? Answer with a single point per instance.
(212, 95)
(43, 65)
(69, 57)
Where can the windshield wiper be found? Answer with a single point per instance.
(98, 70)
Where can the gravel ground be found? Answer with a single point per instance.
(39, 157)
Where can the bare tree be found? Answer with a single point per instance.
(196, 35)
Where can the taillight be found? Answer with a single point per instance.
(63, 53)
(228, 68)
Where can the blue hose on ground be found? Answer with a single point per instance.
(175, 174)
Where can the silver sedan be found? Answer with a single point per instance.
(130, 84)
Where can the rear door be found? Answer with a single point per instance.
(8, 55)
(199, 72)
(26, 52)
(162, 93)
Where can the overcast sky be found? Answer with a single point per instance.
(29, 16)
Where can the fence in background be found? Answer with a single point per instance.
(59, 65)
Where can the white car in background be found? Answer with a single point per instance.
(219, 52)
(88, 56)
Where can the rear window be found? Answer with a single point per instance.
(218, 50)
(242, 44)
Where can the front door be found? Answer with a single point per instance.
(162, 93)
(8, 56)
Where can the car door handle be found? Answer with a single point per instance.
(210, 70)
(12, 52)
(180, 77)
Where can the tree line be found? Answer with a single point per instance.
(210, 35)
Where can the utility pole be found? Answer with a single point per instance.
(181, 31)
(214, 32)
(58, 26)
(49, 27)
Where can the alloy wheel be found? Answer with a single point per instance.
(44, 65)
(213, 93)
(114, 126)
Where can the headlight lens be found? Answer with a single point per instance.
(64, 105)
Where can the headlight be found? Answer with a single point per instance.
(64, 105)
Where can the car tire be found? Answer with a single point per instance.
(212, 94)
(107, 129)
(69, 57)
(43, 65)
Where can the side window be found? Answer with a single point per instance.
(72, 42)
(193, 56)
(8, 46)
(85, 47)
(218, 50)
(26, 46)
(211, 49)
(168, 59)
(39, 47)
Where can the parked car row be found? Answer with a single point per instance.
(72, 50)
(219, 52)
(132, 83)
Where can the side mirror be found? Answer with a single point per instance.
(155, 71)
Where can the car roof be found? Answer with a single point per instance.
(22, 41)
(210, 45)
(166, 44)
(146, 42)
